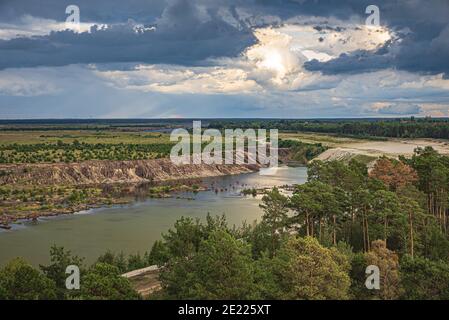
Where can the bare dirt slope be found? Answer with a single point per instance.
(103, 172)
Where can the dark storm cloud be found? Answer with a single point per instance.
(422, 27)
(354, 62)
(121, 44)
(428, 56)
(182, 37)
(103, 11)
(422, 45)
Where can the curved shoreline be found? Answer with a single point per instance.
(184, 184)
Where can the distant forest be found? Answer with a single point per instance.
(368, 127)
(394, 128)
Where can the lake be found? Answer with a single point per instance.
(134, 228)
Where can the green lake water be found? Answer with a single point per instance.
(134, 228)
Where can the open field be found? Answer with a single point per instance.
(53, 146)
(327, 140)
(83, 136)
(50, 146)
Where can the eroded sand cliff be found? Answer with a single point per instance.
(103, 172)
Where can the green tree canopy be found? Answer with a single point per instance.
(222, 269)
(20, 281)
(60, 260)
(104, 282)
(304, 269)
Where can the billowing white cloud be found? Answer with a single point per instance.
(274, 63)
(176, 80)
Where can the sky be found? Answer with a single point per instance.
(223, 58)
